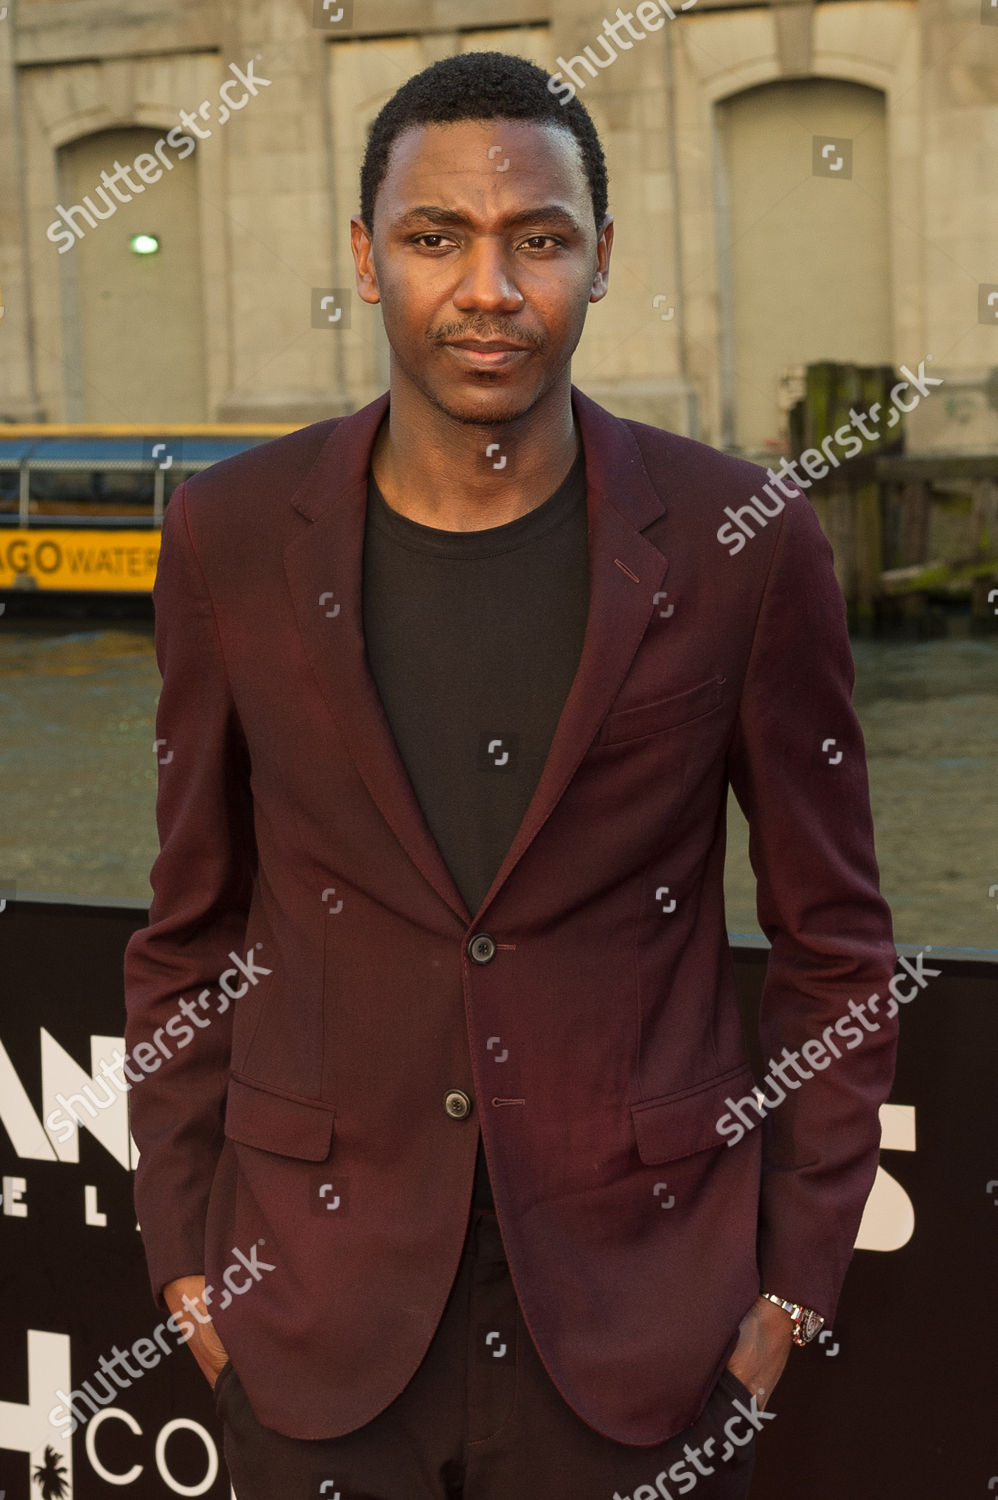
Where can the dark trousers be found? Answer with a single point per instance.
(482, 1420)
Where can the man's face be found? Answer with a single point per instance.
(483, 230)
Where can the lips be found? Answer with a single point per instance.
(482, 355)
(484, 346)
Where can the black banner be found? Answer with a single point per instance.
(898, 1399)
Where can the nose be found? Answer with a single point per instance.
(487, 280)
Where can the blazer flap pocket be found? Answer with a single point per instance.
(662, 713)
(682, 1124)
(256, 1115)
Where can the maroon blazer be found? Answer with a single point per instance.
(595, 1026)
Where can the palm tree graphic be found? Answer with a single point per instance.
(51, 1476)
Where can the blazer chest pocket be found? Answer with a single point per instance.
(678, 1125)
(661, 713)
(258, 1115)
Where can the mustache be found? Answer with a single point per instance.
(486, 335)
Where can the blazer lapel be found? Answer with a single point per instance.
(323, 565)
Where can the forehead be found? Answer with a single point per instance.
(465, 159)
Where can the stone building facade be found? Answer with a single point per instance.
(791, 181)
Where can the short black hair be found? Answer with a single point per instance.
(479, 86)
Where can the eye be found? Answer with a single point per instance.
(535, 241)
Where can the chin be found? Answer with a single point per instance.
(487, 405)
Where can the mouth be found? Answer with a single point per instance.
(485, 354)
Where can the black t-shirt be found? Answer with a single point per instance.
(473, 639)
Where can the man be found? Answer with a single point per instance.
(453, 689)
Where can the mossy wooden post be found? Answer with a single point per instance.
(906, 522)
(818, 414)
(984, 599)
(875, 383)
(984, 518)
(984, 530)
(856, 398)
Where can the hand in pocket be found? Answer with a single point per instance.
(185, 1298)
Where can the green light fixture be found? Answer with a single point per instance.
(144, 244)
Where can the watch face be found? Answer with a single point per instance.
(810, 1324)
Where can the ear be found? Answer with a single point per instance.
(601, 280)
(363, 255)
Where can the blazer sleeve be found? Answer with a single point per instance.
(797, 765)
(202, 881)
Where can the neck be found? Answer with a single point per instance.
(437, 471)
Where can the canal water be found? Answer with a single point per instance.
(77, 706)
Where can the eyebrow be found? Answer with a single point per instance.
(430, 213)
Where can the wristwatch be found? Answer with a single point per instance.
(807, 1323)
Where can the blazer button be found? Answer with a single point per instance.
(457, 1104)
(482, 948)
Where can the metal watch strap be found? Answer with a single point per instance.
(797, 1313)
